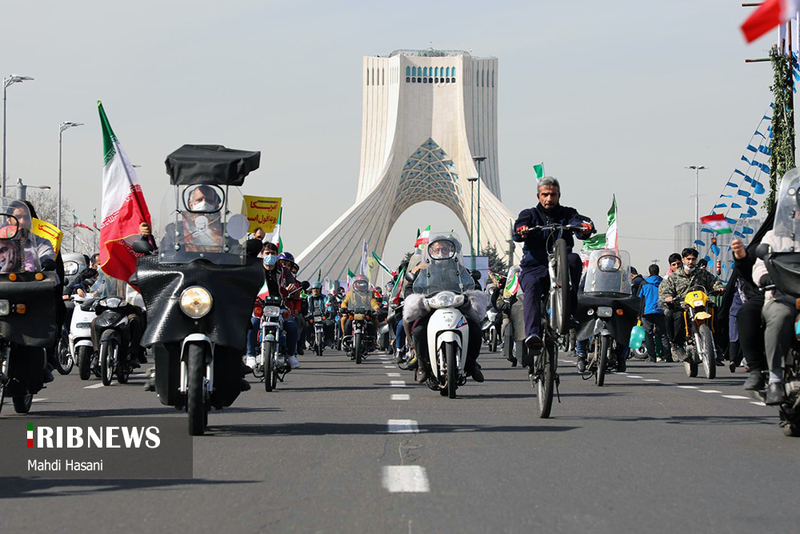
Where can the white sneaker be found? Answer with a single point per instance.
(250, 362)
(293, 363)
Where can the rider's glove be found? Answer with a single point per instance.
(765, 280)
(587, 227)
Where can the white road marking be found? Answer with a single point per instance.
(405, 479)
(402, 426)
(393, 375)
(651, 380)
(397, 383)
(735, 397)
(757, 403)
(708, 391)
(388, 366)
(401, 396)
(634, 376)
(688, 387)
(40, 400)
(94, 386)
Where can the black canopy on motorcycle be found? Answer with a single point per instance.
(210, 164)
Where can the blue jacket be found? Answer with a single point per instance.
(534, 252)
(649, 292)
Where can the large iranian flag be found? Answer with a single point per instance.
(611, 233)
(123, 209)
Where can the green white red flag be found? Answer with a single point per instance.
(123, 207)
(611, 233)
(716, 222)
(423, 238)
(276, 233)
(383, 265)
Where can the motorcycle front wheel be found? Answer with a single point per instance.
(107, 350)
(319, 342)
(196, 398)
(84, 355)
(267, 349)
(452, 369)
(357, 348)
(706, 349)
(64, 360)
(22, 403)
(602, 360)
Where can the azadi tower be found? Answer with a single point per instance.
(426, 116)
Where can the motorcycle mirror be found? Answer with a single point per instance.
(763, 250)
(476, 275)
(142, 247)
(238, 225)
(305, 285)
(253, 247)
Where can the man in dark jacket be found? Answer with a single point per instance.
(534, 277)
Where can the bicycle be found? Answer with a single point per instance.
(554, 313)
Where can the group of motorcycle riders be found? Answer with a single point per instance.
(764, 335)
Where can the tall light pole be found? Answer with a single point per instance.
(11, 80)
(22, 189)
(61, 127)
(478, 160)
(696, 169)
(471, 220)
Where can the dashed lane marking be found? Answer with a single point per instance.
(388, 366)
(738, 397)
(688, 387)
(94, 386)
(393, 375)
(401, 396)
(757, 403)
(405, 479)
(651, 380)
(708, 391)
(40, 400)
(402, 426)
(397, 383)
(634, 376)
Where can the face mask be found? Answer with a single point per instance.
(270, 260)
(203, 206)
(688, 269)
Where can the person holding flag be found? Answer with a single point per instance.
(534, 277)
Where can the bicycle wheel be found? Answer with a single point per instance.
(602, 359)
(560, 305)
(545, 382)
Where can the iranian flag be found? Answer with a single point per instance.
(382, 264)
(276, 233)
(77, 223)
(768, 15)
(716, 222)
(513, 284)
(123, 207)
(611, 233)
(423, 238)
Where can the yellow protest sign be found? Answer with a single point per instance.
(48, 231)
(262, 212)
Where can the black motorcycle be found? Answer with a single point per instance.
(361, 340)
(28, 309)
(200, 288)
(606, 311)
(113, 333)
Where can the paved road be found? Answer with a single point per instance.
(341, 448)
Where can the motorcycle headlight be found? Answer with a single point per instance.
(196, 302)
(5, 307)
(445, 299)
(604, 311)
(272, 311)
(359, 317)
(112, 302)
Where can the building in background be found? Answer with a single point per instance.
(425, 115)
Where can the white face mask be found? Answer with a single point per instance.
(204, 206)
(688, 269)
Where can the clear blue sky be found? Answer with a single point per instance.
(615, 97)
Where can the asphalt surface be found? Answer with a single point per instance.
(339, 448)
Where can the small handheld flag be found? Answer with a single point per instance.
(716, 222)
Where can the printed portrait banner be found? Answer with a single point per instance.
(48, 231)
(262, 212)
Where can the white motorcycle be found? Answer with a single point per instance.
(448, 335)
(80, 334)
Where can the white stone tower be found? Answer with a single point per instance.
(426, 114)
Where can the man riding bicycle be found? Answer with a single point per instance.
(673, 290)
(534, 277)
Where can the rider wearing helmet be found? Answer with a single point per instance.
(317, 305)
(359, 296)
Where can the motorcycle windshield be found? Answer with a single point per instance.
(443, 267)
(787, 214)
(20, 249)
(203, 221)
(608, 272)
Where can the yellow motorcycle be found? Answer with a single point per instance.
(698, 317)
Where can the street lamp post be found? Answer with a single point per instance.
(22, 189)
(696, 170)
(478, 160)
(63, 126)
(471, 220)
(11, 80)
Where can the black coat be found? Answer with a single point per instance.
(535, 245)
